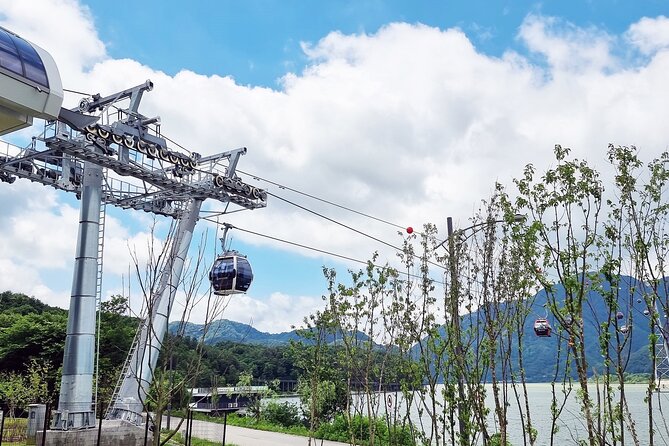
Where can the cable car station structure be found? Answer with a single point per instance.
(107, 152)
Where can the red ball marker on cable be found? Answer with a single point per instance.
(409, 230)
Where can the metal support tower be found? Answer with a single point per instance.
(117, 156)
(130, 394)
(74, 403)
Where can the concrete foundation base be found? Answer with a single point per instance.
(113, 433)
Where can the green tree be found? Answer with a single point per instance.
(565, 204)
(14, 392)
(40, 382)
(18, 303)
(321, 386)
(32, 335)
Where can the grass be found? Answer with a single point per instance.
(178, 439)
(14, 431)
(248, 422)
(252, 423)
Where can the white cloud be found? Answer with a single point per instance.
(36, 228)
(565, 46)
(64, 28)
(650, 34)
(410, 124)
(18, 277)
(274, 314)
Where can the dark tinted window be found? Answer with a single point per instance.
(244, 274)
(19, 56)
(222, 274)
(9, 56)
(10, 62)
(6, 42)
(32, 63)
(36, 74)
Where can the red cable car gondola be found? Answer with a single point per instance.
(231, 273)
(542, 328)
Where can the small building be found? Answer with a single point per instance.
(224, 398)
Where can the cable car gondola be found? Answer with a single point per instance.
(620, 315)
(542, 328)
(231, 273)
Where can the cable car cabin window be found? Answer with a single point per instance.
(37, 74)
(18, 56)
(11, 62)
(6, 42)
(223, 274)
(9, 55)
(244, 275)
(32, 63)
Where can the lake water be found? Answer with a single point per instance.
(571, 424)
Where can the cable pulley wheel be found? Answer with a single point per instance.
(152, 151)
(141, 146)
(129, 142)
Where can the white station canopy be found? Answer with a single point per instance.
(30, 85)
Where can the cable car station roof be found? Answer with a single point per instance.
(30, 84)
(20, 59)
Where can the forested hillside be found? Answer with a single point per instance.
(32, 335)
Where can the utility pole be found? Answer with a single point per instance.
(463, 409)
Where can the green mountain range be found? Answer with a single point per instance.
(224, 330)
(539, 353)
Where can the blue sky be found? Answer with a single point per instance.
(407, 111)
(257, 42)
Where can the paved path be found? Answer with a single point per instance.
(242, 436)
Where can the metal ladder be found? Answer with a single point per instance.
(126, 367)
(98, 295)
